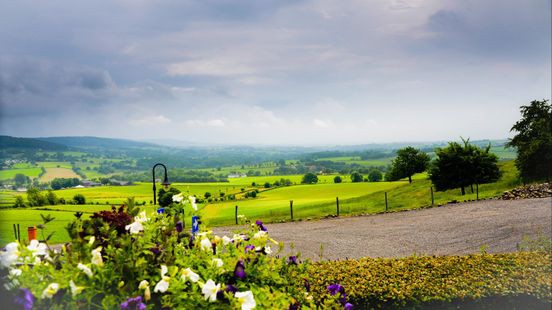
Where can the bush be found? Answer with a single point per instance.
(414, 281)
(356, 177)
(309, 178)
(79, 199)
(375, 175)
(337, 179)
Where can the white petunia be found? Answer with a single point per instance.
(189, 274)
(97, 256)
(50, 291)
(226, 240)
(162, 286)
(192, 200)
(268, 250)
(210, 290)
(143, 284)
(10, 255)
(84, 269)
(15, 272)
(177, 197)
(205, 244)
(246, 300)
(261, 235)
(237, 237)
(164, 270)
(217, 262)
(75, 290)
(137, 226)
(37, 248)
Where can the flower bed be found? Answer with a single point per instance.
(495, 279)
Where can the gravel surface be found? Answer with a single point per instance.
(453, 229)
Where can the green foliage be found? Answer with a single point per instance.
(309, 178)
(356, 177)
(59, 183)
(408, 162)
(165, 197)
(375, 175)
(462, 165)
(21, 179)
(533, 141)
(19, 202)
(35, 197)
(337, 179)
(415, 281)
(51, 198)
(79, 199)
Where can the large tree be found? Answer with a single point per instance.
(309, 178)
(408, 162)
(533, 141)
(459, 166)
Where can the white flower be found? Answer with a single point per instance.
(50, 291)
(205, 244)
(91, 241)
(210, 290)
(268, 250)
(97, 257)
(75, 290)
(163, 285)
(192, 200)
(246, 300)
(177, 197)
(143, 284)
(37, 248)
(226, 240)
(85, 269)
(217, 262)
(261, 235)
(10, 255)
(237, 237)
(15, 272)
(137, 226)
(189, 274)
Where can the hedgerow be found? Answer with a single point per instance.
(418, 281)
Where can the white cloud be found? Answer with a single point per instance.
(150, 120)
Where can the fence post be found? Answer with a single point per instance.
(476, 191)
(14, 231)
(18, 234)
(337, 204)
(291, 208)
(432, 199)
(385, 201)
(236, 215)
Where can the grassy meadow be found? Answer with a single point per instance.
(271, 205)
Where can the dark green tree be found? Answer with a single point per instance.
(309, 178)
(165, 197)
(337, 179)
(458, 166)
(21, 179)
(19, 202)
(35, 197)
(533, 141)
(79, 199)
(375, 175)
(408, 162)
(356, 177)
(51, 198)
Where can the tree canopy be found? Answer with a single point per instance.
(458, 166)
(310, 178)
(408, 162)
(533, 141)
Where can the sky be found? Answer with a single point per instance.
(281, 72)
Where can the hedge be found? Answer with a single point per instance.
(522, 277)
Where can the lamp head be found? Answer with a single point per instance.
(166, 184)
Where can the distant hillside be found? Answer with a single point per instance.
(97, 142)
(7, 142)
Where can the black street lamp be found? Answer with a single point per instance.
(165, 183)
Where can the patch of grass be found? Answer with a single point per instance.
(10, 173)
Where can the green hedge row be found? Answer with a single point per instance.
(523, 277)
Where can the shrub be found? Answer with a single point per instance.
(309, 178)
(79, 199)
(337, 179)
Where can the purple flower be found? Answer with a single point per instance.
(133, 304)
(336, 288)
(228, 289)
(156, 249)
(249, 248)
(349, 306)
(294, 306)
(25, 299)
(179, 227)
(343, 299)
(292, 260)
(261, 226)
(239, 270)
(307, 285)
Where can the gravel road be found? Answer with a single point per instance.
(464, 228)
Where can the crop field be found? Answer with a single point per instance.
(10, 173)
(357, 160)
(52, 173)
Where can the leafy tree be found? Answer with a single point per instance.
(463, 165)
(51, 198)
(309, 178)
(267, 185)
(356, 177)
(337, 179)
(21, 179)
(375, 175)
(164, 198)
(408, 162)
(533, 141)
(19, 202)
(35, 197)
(79, 199)
(207, 195)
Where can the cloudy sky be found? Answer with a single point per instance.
(272, 71)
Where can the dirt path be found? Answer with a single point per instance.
(463, 228)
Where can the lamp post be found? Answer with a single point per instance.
(165, 183)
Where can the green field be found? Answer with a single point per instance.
(272, 205)
(10, 173)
